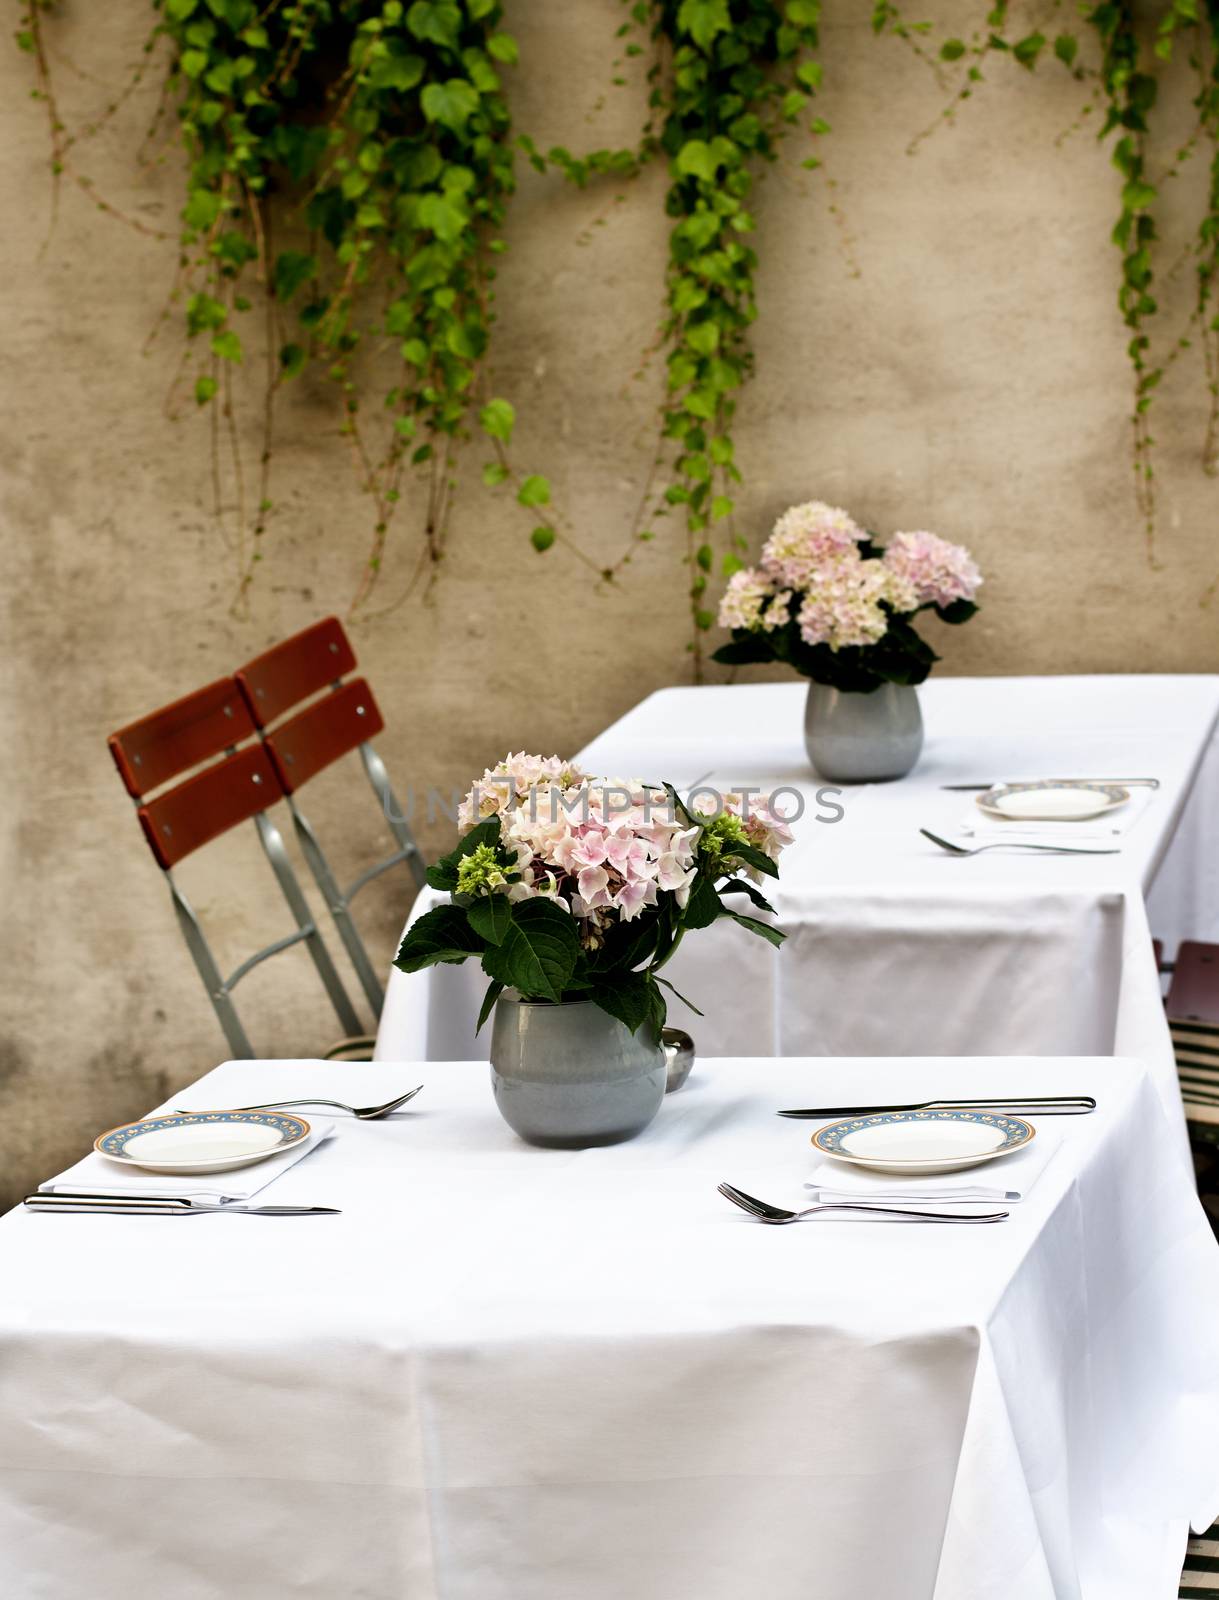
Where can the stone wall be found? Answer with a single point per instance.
(943, 353)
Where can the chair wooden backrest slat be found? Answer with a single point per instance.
(159, 746)
(203, 807)
(295, 669)
(322, 732)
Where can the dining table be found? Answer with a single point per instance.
(509, 1373)
(895, 947)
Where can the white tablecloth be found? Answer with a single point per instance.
(511, 1374)
(893, 947)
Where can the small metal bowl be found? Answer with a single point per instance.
(679, 1057)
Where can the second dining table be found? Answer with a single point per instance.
(894, 947)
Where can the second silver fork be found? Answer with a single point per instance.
(762, 1211)
(361, 1113)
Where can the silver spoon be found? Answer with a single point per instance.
(761, 1211)
(363, 1113)
(1014, 844)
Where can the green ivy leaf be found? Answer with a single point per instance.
(1027, 50)
(293, 268)
(952, 49)
(398, 73)
(493, 473)
(451, 103)
(542, 538)
(703, 19)
(498, 418)
(201, 210)
(203, 312)
(504, 48)
(205, 388)
(534, 491)
(697, 159)
(227, 346)
(1066, 47)
(438, 21)
(446, 214)
(291, 360)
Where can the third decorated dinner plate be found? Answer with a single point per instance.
(913, 1142)
(202, 1141)
(1052, 802)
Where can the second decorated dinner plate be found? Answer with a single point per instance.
(1052, 802)
(914, 1142)
(202, 1141)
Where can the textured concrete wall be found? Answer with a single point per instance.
(969, 378)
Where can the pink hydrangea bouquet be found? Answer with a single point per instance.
(567, 887)
(838, 607)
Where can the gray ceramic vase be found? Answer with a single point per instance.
(863, 738)
(570, 1076)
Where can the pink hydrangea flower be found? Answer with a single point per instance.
(937, 571)
(743, 599)
(804, 537)
(603, 850)
(842, 607)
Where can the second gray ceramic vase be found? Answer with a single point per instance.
(570, 1076)
(863, 738)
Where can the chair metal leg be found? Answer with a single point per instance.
(379, 778)
(339, 910)
(273, 844)
(217, 989)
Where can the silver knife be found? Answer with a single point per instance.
(158, 1205)
(1066, 783)
(1075, 1105)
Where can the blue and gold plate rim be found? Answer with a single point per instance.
(1016, 1130)
(1115, 795)
(112, 1143)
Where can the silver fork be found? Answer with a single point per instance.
(1014, 844)
(763, 1212)
(363, 1113)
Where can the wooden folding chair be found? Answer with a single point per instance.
(343, 719)
(239, 786)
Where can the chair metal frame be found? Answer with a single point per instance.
(220, 989)
(266, 712)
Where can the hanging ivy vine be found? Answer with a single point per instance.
(1131, 50)
(350, 164)
(730, 78)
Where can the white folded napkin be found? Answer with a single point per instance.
(97, 1174)
(1109, 829)
(1008, 1177)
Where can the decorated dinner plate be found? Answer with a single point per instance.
(202, 1141)
(1052, 802)
(923, 1141)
